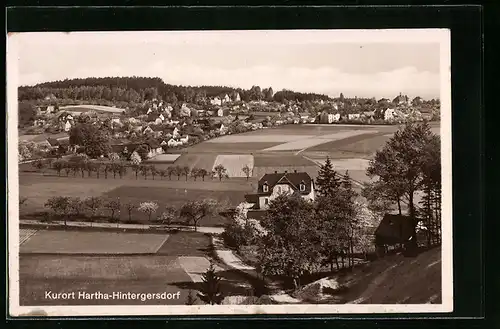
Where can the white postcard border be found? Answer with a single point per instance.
(398, 35)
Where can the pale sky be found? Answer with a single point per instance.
(356, 63)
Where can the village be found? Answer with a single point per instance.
(163, 126)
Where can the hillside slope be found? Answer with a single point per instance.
(394, 279)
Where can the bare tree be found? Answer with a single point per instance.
(195, 211)
(186, 171)
(247, 171)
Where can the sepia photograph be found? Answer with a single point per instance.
(229, 172)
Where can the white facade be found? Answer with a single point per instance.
(354, 116)
(238, 98)
(176, 133)
(161, 117)
(284, 188)
(158, 121)
(173, 143)
(389, 114)
(67, 126)
(185, 111)
(216, 101)
(226, 99)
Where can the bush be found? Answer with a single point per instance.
(236, 236)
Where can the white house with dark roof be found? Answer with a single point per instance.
(270, 186)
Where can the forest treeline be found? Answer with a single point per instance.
(140, 89)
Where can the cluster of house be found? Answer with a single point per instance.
(388, 115)
(218, 101)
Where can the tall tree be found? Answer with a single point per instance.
(291, 246)
(398, 166)
(327, 181)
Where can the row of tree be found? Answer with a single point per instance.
(89, 209)
(81, 164)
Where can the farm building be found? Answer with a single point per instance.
(394, 230)
(272, 185)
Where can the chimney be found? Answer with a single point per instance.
(295, 171)
(275, 171)
(286, 171)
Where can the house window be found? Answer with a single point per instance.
(265, 188)
(302, 187)
(266, 201)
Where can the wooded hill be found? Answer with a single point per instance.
(138, 89)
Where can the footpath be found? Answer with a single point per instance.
(225, 254)
(228, 257)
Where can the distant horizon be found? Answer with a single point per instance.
(236, 87)
(365, 63)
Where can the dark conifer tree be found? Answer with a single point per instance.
(327, 181)
(210, 287)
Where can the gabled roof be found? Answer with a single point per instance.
(252, 198)
(131, 147)
(53, 141)
(394, 229)
(294, 179)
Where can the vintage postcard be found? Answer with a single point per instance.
(229, 172)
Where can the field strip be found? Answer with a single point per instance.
(25, 234)
(106, 243)
(303, 144)
(196, 266)
(259, 138)
(234, 164)
(84, 108)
